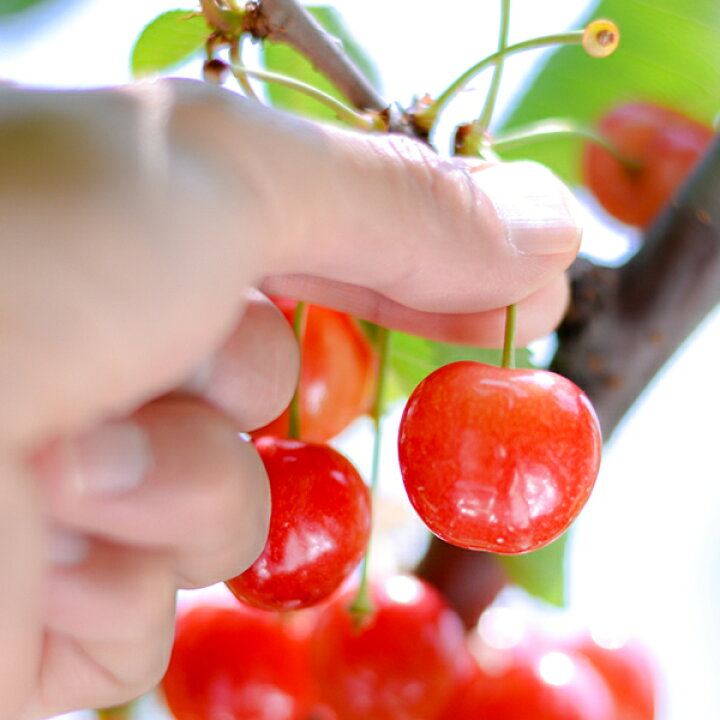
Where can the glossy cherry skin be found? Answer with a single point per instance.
(337, 374)
(498, 459)
(629, 671)
(319, 526)
(236, 663)
(525, 683)
(403, 663)
(663, 145)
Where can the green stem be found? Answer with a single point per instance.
(119, 712)
(546, 129)
(426, 119)
(487, 111)
(508, 354)
(236, 59)
(299, 330)
(362, 605)
(343, 112)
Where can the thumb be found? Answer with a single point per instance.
(385, 212)
(381, 226)
(430, 233)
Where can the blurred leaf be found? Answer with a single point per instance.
(542, 572)
(412, 359)
(284, 60)
(167, 41)
(11, 6)
(669, 53)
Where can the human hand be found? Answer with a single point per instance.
(135, 225)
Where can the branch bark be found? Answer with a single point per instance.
(289, 22)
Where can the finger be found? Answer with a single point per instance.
(174, 478)
(21, 570)
(385, 212)
(109, 629)
(432, 235)
(253, 376)
(537, 314)
(134, 277)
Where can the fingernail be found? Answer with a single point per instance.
(541, 215)
(111, 460)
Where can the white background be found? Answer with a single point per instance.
(645, 554)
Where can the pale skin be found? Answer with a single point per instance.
(135, 225)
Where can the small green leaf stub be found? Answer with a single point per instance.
(540, 573)
(169, 40)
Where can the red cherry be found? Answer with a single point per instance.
(535, 683)
(319, 526)
(403, 663)
(239, 663)
(336, 377)
(663, 145)
(498, 459)
(629, 671)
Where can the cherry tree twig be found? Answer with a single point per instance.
(289, 22)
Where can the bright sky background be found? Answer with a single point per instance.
(646, 551)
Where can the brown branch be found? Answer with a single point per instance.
(469, 580)
(289, 22)
(627, 322)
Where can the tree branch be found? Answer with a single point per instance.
(289, 22)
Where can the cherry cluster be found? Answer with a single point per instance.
(321, 510)
(410, 659)
(492, 458)
(498, 459)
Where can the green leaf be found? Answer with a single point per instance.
(412, 359)
(283, 59)
(12, 6)
(542, 572)
(669, 53)
(169, 40)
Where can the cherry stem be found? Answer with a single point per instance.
(236, 59)
(508, 354)
(426, 119)
(362, 605)
(119, 712)
(343, 112)
(487, 111)
(299, 330)
(547, 129)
